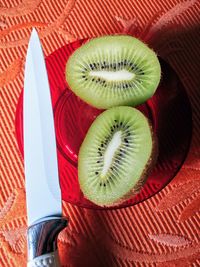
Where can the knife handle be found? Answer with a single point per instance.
(42, 242)
(46, 260)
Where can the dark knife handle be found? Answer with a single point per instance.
(42, 242)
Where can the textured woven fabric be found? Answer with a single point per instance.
(161, 231)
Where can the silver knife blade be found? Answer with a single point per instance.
(43, 195)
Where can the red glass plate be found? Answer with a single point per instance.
(169, 111)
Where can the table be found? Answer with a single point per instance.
(162, 231)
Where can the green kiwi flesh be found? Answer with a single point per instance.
(116, 70)
(115, 156)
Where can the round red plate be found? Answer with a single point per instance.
(169, 110)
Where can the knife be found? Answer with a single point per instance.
(43, 194)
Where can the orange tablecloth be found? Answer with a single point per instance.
(162, 231)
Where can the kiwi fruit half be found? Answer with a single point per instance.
(116, 156)
(116, 70)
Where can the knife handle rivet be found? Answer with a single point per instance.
(46, 261)
(50, 261)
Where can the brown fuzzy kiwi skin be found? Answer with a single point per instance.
(147, 170)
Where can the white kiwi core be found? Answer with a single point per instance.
(120, 75)
(110, 151)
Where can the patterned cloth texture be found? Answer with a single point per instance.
(162, 231)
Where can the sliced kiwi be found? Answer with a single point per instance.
(113, 70)
(116, 156)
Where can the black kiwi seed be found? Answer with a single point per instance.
(98, 161)
(125, 140)
(104, 184)
(96, 173)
